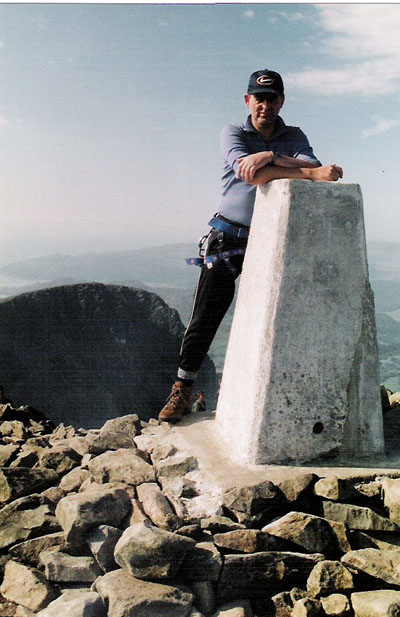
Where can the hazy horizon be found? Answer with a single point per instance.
(110, 114)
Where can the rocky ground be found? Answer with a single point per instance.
(115, 522)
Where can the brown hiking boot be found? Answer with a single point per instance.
(178, 403)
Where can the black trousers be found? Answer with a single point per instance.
(213, 296)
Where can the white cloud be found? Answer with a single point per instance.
(381, 125)
(363, 43)
(291, 16)
(3, 122)
(248, 14)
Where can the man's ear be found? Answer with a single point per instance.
(283, 99)
(247, 99)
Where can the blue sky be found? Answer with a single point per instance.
(110, 114)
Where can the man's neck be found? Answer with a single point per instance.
(266, 132)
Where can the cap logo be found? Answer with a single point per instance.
(265, 80)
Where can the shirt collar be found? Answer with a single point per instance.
(281, 127)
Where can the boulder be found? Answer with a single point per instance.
(76, 604)
(336, 605)
(357, 517)
(73, 480)
(251, 541)
(130, 597)
(299, 487)
(391, 498)
(98, 505)
(20, 481)
(60, 458)
(329, 577)
(381, 603)
(122, 465)
(306, 531)
(335, 489)
(307, 607)
(102, 541)
(151, 553)
(25, 518)
(176, 466)
(248, 576)
(26, 586)
(204, 596)
(7, 454)
(220, 524)
(157, 506)
(251, 500)
(235, 609)
(30, 550)
(202, 563)
(117, 433)
(283, 604)
(63, 568)
(382, 565)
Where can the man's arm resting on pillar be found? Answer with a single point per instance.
(327, 173)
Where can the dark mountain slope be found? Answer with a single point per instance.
(88, 352)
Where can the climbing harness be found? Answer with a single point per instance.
(209, 260)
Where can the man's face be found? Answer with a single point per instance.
(264, 109)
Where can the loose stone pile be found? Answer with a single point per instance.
(117, 522)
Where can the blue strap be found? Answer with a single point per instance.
(232, 230)
(212, 259)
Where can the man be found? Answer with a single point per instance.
(258, 151)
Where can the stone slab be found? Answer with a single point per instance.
(301, 376)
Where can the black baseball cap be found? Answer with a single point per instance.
(265, 81)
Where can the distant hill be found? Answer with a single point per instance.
(85, 353)
(163, 270)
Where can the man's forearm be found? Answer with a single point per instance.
(328, 173)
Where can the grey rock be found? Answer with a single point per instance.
(391, 498)
(381, 603)
(177, 465)
(329, 577)
(204, 596)
(336, 489)
(151, 553)
(26, 586)
(312, 533)
(60, 458)
(7, 453)
(130, 597)
(382, 565)
(251, 500)
(157, 506)
(61, 567)
(137, 514)
(18, 482)
(359, 539)
(122, 465)
(298, 487)
(307, 607)
(13, 428)
(247, 576)
(220, 524)
(357, 517)
(76, 604)
(251, 541)
(73, 480)
(341, 532)
(101, 366)
(25, 518)
(336, 605)
(202, 563)
(25, 459)
(117, 433)
(235, 609)
(283, 604)
(79, 512)
(22, 611)
(161, 451)
(102, 541)
(29, 551)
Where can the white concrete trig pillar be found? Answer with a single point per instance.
(301, 376)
